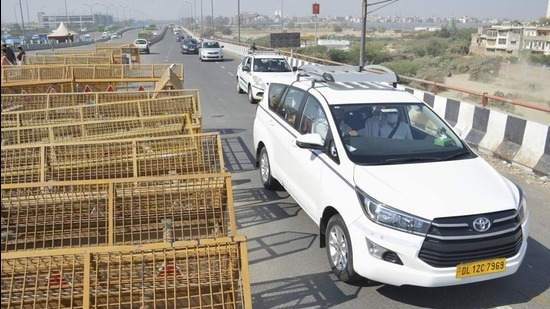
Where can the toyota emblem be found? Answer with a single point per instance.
(482, 224)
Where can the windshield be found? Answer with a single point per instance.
(211, 45)
(271, 65)
(396, 133)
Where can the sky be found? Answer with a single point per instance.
(174, 9)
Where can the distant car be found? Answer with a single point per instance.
(115, 35)
(210, 50)
(35, 37)
(258, 69)
(143, 45)
(190, 46)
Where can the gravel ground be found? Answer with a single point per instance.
(524, 173)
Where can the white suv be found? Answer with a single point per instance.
(258, 69)
(398, 196)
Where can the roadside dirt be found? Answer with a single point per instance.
(520, 82)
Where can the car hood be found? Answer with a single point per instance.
(270, 77)
(439, 189)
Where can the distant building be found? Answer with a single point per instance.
(76, 22)
(510, 40)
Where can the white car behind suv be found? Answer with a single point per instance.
(258, 69)
(398, 196)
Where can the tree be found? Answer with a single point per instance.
(337, 28)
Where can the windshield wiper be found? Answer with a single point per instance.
(411, 159)
(457, 155)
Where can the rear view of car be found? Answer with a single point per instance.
(143, 45)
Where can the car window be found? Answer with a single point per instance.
(247, 61)
(291, 105)
(415, 131)
(211, 45)
(313, 119)
(276, 92)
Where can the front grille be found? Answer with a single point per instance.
(451, 241)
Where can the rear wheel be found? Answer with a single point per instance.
(339, 250)
(250, 95)
(265, 171)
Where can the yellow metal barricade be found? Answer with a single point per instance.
(151, 156)
(211, 273)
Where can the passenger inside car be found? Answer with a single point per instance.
(385, 124)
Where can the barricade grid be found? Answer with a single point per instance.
(165, 125)
(115, 212)
(152, 156)
(104, 111)
(193, 274)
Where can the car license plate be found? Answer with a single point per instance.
(480, 268)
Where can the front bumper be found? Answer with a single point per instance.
(412, 270)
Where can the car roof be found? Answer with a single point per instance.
(348, 85)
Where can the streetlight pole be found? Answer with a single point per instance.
(22, 22)
(282, 18)
(195, 15)
(202, 22)
(239, 20)
(15, 13)
(67, 17)
(363, 33)
(212, 8)
(28, 15)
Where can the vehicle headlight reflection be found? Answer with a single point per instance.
(387, 216)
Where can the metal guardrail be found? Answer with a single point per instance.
(484, 96)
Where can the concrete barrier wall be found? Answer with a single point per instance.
(519, 141)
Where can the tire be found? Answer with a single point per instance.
(339, 250)
(250, 95)
(239, 89)
(268, 181)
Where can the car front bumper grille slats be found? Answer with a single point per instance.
(451, 241)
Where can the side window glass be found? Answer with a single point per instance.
(313, 119)
(276, 92)
(291, 105)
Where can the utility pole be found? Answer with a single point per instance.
(212, 8)
(22, 22)
(363, 34)
(239, 20)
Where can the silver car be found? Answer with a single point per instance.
(210, 50)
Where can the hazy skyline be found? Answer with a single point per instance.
(173, 10)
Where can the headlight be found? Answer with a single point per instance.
(258, 82)
(385, 215)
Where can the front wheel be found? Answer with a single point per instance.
(265, 171)
(339, 250)
(250, 95)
